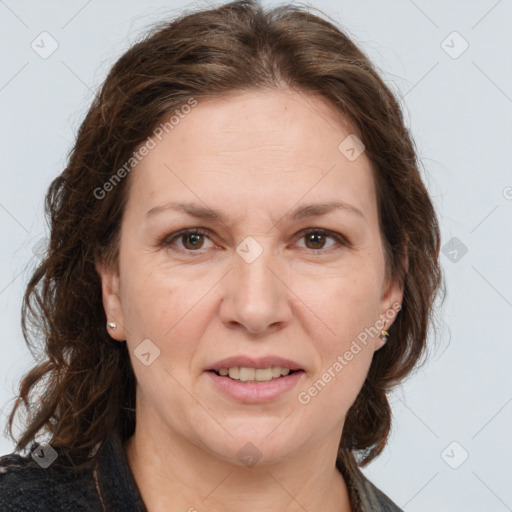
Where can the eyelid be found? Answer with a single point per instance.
(168, 239)
(341, 239)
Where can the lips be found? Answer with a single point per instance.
(253, 392)
(256, 363)
(233, 377)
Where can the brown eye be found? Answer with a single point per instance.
(192, 241)
(315, 239)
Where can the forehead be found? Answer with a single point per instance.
(275, 120)
(258, 149)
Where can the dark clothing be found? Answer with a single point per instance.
(110, 486)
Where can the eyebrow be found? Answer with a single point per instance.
(301, 212)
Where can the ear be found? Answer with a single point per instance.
(391, 301)
(111, 300)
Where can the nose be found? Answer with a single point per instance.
(255, 298)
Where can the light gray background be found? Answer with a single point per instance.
(460, 112)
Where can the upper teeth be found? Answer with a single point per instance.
(253, 374)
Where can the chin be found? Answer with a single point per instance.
(261, 444)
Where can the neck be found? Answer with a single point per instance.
(179, 476)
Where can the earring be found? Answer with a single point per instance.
(111, 325)
(384, 336)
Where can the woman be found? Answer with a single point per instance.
(243, 263)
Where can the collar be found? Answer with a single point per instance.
(364, 495)
(114, 479)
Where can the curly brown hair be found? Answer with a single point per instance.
(83, 386)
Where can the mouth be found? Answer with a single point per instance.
(255, 385)
(254, 375)
(255, 380)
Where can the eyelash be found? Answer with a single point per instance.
(168, 240)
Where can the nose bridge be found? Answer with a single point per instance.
(255, 298)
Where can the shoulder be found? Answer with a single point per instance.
(25, 486)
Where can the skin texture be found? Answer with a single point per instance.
(255, 156)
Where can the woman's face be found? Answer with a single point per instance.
(259, 284)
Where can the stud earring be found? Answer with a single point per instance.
(111, 325)
(384, 336)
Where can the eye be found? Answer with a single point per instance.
(315, 238)
(193, 239)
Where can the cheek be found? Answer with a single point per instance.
(345, 301)
(347, 305)
(345, 356)
(161, 306)
(331, 395)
